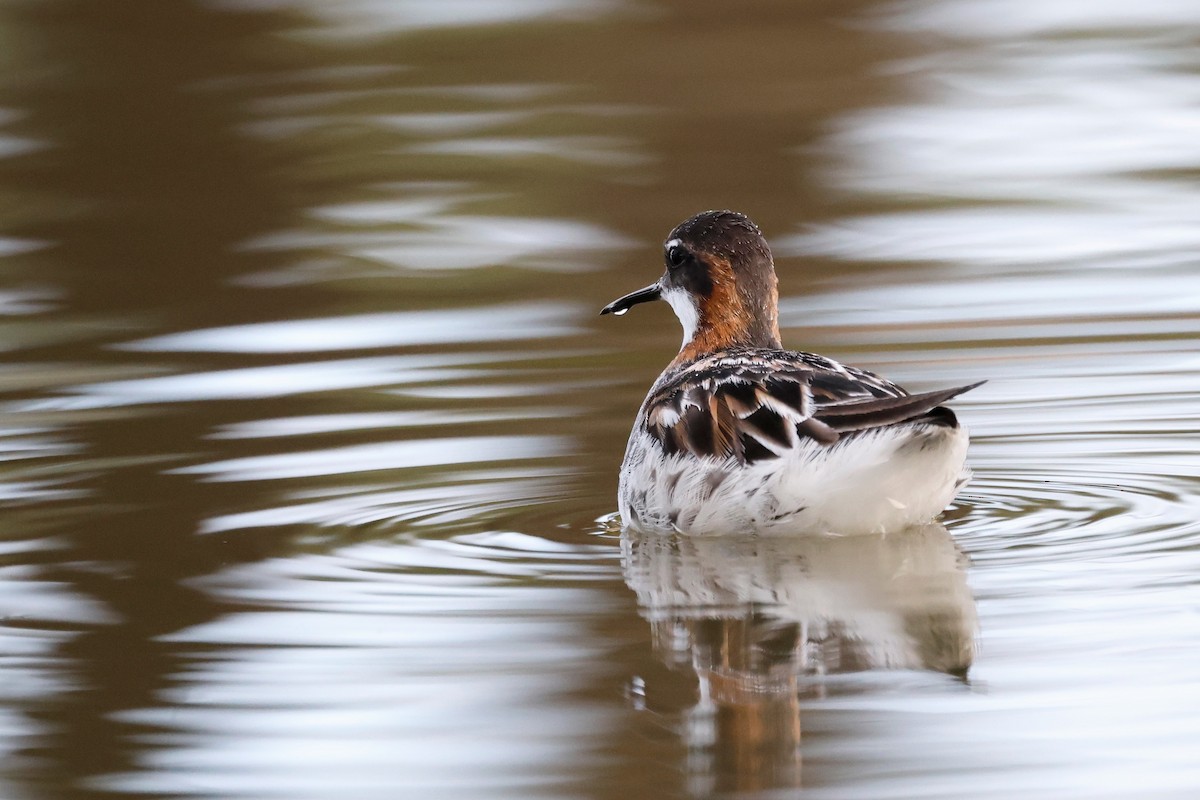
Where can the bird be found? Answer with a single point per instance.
(739, 435)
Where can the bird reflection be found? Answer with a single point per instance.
(759, 621)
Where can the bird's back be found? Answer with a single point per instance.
(773, 440)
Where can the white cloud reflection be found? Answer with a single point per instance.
(380, 455)
(1053, 136)
(369, 331)
(387, 233)
(373, 18)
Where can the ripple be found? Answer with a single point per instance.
(972, 19)
(378, 638)
(992, 237)
(997, 307)
(462, 501)
(378, 576)
(247, 383)
(455, 242)
(29, 600)
(265, 382)
(379, 455)
(286, 427)
(1014, 155)
(369, 331)
(593, 150)
(371, 19)
(1013, 517)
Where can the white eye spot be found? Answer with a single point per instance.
(675, 253)
(684, 306)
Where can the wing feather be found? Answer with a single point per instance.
(751, 405)
(855, 416)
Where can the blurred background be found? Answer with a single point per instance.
(310, 428)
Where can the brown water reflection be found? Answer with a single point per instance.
(309, 429)
(760, 625)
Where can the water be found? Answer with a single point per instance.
(310, 425)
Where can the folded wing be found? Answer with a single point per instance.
(751, 410)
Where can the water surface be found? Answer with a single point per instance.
(310, 428)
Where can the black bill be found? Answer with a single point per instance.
(623, 304)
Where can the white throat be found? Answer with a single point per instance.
(684, 306)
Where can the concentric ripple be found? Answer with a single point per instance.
(1061, 515)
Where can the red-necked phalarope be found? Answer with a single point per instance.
(740, 435)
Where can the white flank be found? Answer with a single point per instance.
(880, 480)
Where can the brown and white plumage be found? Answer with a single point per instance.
(740, 435)
(751, 405)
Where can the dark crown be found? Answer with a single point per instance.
(726, 234)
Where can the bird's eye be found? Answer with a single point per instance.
(676, 255)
